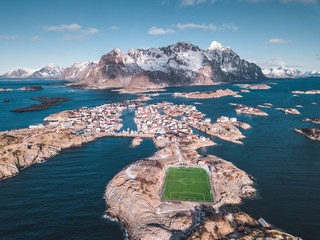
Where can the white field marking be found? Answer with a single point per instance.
(181, 193)
(184, 178)
(189, 198)
(187, 179)
(187, 192)
(209, 187)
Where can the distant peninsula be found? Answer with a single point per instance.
(46, 102)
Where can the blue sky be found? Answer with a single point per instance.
(271, 33)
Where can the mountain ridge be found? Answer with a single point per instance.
(284, 72)
(179, 64)
(49, 71)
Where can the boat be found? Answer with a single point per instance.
(264, 223)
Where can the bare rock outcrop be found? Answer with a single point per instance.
(289, 111)
(231, 223)
(313, 120)
(25, 147)
(213, 94)
(133, 197)
(312, 133)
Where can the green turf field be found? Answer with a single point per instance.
(187, 184)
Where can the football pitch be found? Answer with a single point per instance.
(187, 184)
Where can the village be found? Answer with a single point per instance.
(163, 122)
(158, 119)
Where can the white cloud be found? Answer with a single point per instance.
(284, 1)
(7, 37)
(273, 62)
(209, 26)
(63, 27)
(278, 41)
(193, 25)
(186, 3)
(114, 28)
(78, 33)
(36, 38)
(300, 1)
(90, 31)
(159, 31)
(228, 26)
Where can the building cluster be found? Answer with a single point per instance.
(239, 108)
(149, 119)
(105, 118)
(224, 119)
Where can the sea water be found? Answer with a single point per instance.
(62, 198)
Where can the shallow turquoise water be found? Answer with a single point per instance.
(62, 198)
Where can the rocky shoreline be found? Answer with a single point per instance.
(312, 133)
(25, 147)
(253, 86)
(314, 91)
(240, 108)
(289, 111)
(133, 197)
(313, 120)
(213, 94)
(139, 90)
(31, 88)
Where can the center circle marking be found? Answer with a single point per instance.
(187, 181)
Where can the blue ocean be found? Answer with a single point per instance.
(62, 198)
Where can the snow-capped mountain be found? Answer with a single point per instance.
(286, 72)
(78, 70)
(18, 73)
(312, 74)
(50, 71)
(282, 72)
(232, 64)
(176, 65)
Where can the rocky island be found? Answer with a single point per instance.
(307, 92)
(240, 108)
(6, 89)
(31, 88)
(213, 94)
(313, 120)
(135, 195)
(312, 133)
(132, 90)
(134, 198)
(289, 111)
(46, 102)
(253, 86)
